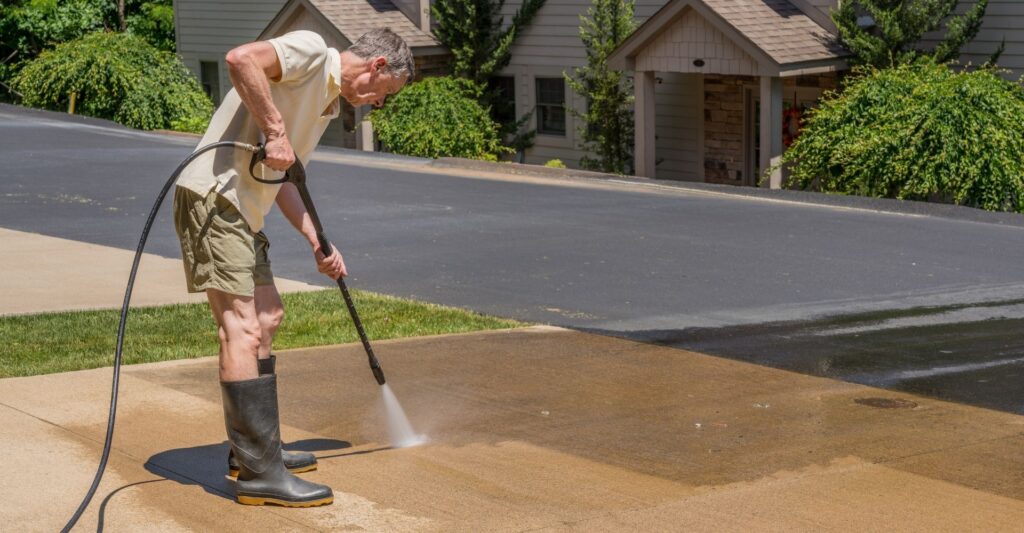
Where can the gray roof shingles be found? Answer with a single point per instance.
(355, 17)
(780, 29)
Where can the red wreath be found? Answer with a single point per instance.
(792, 125)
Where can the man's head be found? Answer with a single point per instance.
(377, 65)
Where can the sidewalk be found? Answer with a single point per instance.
(534, 429)
(44, 273)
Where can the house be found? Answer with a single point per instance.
(749, 61)
(696, 122)
(707, 121)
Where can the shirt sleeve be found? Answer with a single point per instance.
(301, 54)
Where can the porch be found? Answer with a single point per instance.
(753, 59)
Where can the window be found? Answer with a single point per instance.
(209, 77)
(504, 109)
(551, 106)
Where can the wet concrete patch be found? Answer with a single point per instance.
(886, 403)
(971, 354)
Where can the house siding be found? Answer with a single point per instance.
(550, 45)
(206, 31)
(1003, 19)
(679, 126)
(692, 36)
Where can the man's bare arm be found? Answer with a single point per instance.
(290, 203)
(251, 68)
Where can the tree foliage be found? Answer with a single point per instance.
(154, 22)
(438, 117)
(898, 26)
(27, 27)
(117, 76)
(481, 46)
(474, 31)
(919, 132)
(608, 128)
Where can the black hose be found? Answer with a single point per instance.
(124, 317)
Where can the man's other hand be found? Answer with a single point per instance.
(280, 155)
(332, 266)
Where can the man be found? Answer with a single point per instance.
(286, 91)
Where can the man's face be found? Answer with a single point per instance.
(373, 86)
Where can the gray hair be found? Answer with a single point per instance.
(384, 42)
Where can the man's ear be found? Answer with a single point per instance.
(378, 63)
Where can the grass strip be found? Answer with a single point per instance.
(59, 342)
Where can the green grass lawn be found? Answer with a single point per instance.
(59, 342)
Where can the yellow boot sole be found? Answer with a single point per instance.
(259, 500)
(234, 473)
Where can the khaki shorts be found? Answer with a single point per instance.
(218, 248)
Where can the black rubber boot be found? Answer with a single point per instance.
(295, 462)
(254, 431)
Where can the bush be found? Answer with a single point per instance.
(919, 132)
(117, 76)
(438, 117)
(555, 163)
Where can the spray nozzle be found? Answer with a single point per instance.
(378, 374)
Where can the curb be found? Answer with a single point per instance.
(883, 205)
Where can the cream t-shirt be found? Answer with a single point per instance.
(307, 97)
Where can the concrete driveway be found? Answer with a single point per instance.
(537, 429)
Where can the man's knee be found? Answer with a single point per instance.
(242, 330)
(271, 319)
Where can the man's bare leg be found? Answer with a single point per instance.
(239, 331)
(270, 313)
(251, 411)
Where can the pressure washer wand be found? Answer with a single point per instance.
(296, 174)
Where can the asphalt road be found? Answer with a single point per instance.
(918, 303)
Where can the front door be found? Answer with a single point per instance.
(795, 103)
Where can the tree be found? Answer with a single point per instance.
(473, 31)
(154, 22)
(897, 27)
(608, 128)
(919, 131)
(27, 27)
(117, 76)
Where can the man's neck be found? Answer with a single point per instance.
(351, 67)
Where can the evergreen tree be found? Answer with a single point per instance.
(480, 45)
(608, 128)
(898, 26)
(472, 30)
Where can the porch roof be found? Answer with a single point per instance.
(352, 18)
(778, 36)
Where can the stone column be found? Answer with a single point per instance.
(771, 128)
(643, 152)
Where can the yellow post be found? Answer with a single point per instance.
(71, 104)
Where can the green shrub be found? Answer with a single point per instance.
(117, 76)
(555, 163)
(919, 132)
(438, 117)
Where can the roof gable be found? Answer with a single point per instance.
(777, 35)
(352, 18)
